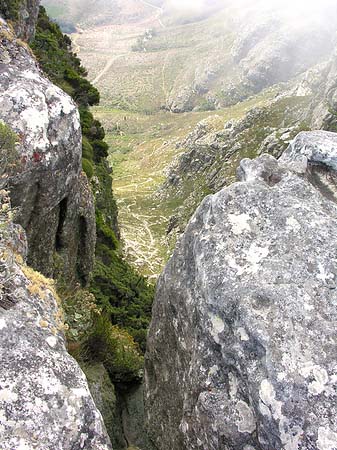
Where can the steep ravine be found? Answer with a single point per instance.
(241, 352)
(56, 183)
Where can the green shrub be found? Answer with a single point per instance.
(9, 9)
(88, 168)
(87, 149)
(122, 293)
(79, 306)
(8, 152)
(104, 233)
(115, 348)
(100, 149)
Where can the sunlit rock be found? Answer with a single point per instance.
(242, 347)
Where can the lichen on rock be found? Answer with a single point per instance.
(52, 197)
(22, 14)
(45, 401)
(245, 312)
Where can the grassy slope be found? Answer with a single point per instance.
(144, 147)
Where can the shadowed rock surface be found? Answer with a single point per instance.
(55, 205)
(45, 402)
(245, 314)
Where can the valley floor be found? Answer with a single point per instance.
(142, 136)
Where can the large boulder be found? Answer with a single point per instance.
(48, 189)
(45, 402)
(242, 347)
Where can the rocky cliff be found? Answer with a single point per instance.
(266, 43)
(245, 312)
(22, 14)
(46, 137)
(212, 151)
(45, 402)
(52, 197)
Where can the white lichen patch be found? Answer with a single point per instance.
(268, 398)
(243, 334)
(217, 326)
(293, 224)
(239, 223)
(247, 422)
(254, 256)
(2, 323)
(79, 392)
(321, 378)
(324, 275)
(234, 265)
(233, 385)
(272, 408)
(63, 105)
(8, 396)
(51, 341)
(49, 384)
(327, 439)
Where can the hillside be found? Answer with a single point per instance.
(161, 70)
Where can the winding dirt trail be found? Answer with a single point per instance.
(157, 8)
(107, 67)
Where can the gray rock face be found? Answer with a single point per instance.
(45, 401)
(105, 397)
(213, 150)
(325, 102)
(22, 15)
(28, 13)
(242, 347)
(54, 202)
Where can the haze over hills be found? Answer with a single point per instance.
(219, 120)
(164, 66)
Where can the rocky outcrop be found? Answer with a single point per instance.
(105, 397)
(22, 14)
(213, 150)
(27, 17)
(324, 105)
(245, 312)
(45, 401)
(122, 408)
(52, 196)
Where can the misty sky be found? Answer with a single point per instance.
(303, 5)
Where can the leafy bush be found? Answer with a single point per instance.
(9, 9)
(104, 233)
(122, 293)
(115, 348)
(78, 305)
(8, 152)
(87, 149)
(88, 168)
(100, 150)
